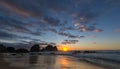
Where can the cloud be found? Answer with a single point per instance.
(6, 35)
(98, 30)
(12, 24)
(36, 8)
(16, 40)
(69, 42)
(37, 33)
(17, 26)
(85, 27)
(67, 28)
(15, 9)
(35, 18)
(92, 36)
(94, 42)
(117, 30)
(86, 16)
(52, 21)
(52, 30)
(24, 8)
(70, 35)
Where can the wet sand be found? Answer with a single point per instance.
(44, 62)
(5, 65)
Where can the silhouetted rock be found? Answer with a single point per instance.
(2, 48)
(50, 48)
(89, 52)
(35, 48)
(21, 50)
(76, 52)
(11, 49)
(43, 49)
(55, 48)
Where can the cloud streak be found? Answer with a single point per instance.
(15, 9)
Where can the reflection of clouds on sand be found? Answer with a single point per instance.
(47, 62)
(5, 65)
(31, 62)
(33, 59)
(17, 61)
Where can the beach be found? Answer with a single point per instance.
(5, 65)
(44, 62)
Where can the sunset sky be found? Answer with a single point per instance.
(76, 24)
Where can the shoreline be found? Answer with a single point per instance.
(96, 59)
(100, 60)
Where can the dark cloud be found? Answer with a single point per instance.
(17, 26)
(17, 39)
(52, 30)
(86, 16)
(69, 42)
(12, 24)
(69, 35)
(6, 35)
(67, 28)
(52, 21)
(37, 33)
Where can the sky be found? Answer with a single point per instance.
(76, 24)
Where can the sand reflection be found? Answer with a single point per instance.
(43, 62)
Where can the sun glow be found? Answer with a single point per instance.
(65, 49)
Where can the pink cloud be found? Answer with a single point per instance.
(98, 30)
(15, 9)
(94, 43)
(92, 36)
(74, 14)
(117, 30)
